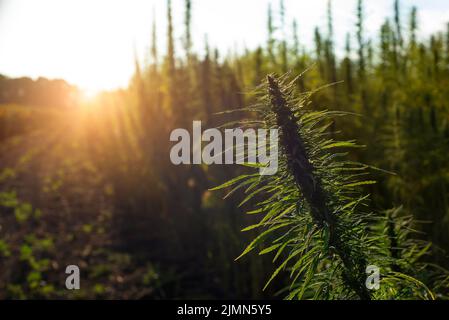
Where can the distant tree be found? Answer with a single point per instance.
(361, 54)
(188, 27)
(347, 66)
(271, 40)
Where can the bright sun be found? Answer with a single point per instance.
(89, 95)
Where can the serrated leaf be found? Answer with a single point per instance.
(270, 249)
(232, 182)
(282, 266)
(259, 238)
(360, 183)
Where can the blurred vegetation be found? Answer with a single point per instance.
(39, 93)
(92, 185)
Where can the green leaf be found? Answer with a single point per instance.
(282, 266)
(341, 144)
(252, 194)
(260, 238)
(232, 182)
(360, 183)
(270, 249)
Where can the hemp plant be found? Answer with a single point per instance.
(314, 218)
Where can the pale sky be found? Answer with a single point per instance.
(90, 43)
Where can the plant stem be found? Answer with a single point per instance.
(303, 172)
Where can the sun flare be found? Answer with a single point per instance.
(88, 95)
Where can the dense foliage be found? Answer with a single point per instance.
(315, 218)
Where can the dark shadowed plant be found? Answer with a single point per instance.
(315, 220)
